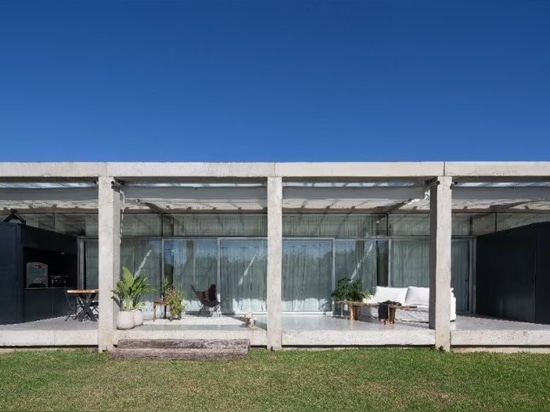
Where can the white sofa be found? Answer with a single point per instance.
(413, 295)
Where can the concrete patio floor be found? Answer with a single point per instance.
(298, 331)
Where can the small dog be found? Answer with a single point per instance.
(250, 320)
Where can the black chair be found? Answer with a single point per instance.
(208, 299)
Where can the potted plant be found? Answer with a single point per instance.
(173, 298)
(138, 289)
(122, 294)
(350, 290)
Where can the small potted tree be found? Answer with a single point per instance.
(122, 295)
(350, 291)
(174, 299)
(138, 289)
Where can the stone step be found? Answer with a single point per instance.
(184, 343)
(176, 354)
(181, 349)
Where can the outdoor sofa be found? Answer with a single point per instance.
(409, 296)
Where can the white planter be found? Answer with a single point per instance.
(125, 319)
(138, 317)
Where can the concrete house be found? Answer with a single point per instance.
(275, 238)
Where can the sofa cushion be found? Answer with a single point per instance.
(384, 293)
(417, 296)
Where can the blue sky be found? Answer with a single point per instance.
(274, 80)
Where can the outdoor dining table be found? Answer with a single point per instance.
(85, 297)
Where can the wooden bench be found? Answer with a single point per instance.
(355, 309)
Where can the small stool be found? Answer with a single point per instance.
(156, 303)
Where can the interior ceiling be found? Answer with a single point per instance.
(379, 197)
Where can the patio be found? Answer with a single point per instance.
(298, 331)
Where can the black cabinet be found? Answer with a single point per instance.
(20, 245)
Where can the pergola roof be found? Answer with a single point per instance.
(238, 195)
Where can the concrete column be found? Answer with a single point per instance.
(109, 259)
(274, 262)
(440, 261)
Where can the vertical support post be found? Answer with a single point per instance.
(109, 259)
(440, 261)
(274, 262)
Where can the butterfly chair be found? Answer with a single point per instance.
(208, 299)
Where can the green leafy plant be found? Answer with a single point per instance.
(130, 290)
(173, 298)
(347, 289)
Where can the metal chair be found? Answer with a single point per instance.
(208, 299)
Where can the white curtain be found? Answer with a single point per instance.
(410, 267)
(460, 273)
(357, 259)
(243, 271)
(307, 275)
(191, 262)
(410, 263)
(132, 253)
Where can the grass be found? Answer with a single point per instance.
(355, 379)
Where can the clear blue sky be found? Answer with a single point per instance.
(274, 80)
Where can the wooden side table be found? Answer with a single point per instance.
(160, 303)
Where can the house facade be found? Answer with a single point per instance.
(276, 237)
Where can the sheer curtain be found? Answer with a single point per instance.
(307, 275)
(191, 262)
(410, 267)
(410, 261)
(132, 253)
(243, 272)
(91, 264)
(357, 259)
(460, 273)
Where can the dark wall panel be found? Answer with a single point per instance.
(11, 281)
(20, 245)
(511, 272)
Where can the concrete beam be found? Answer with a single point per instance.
(73, 194)
(501, 193)
(50, 171)
(507, 170)
(440, 261)
(181, 171)
(109, 259)
(385, 171)
(274, 262)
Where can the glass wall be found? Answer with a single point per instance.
(243, 274)
(91, 264)
(191, 262)
(460, 273)
(362, 259)
(307, 275)
(409, 263)
(318, 250)
(145, 255)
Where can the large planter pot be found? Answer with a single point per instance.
(125, 319)
(138, 317)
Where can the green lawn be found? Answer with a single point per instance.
(355, 379)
